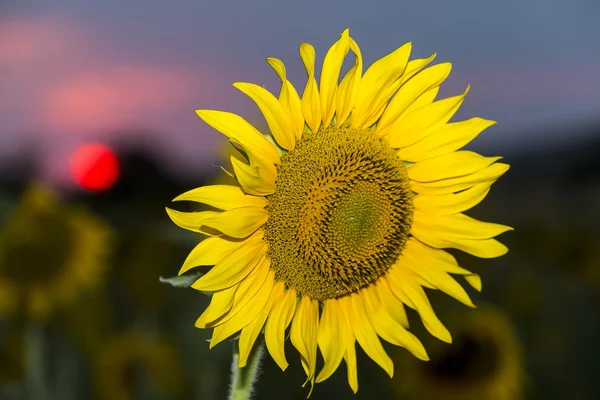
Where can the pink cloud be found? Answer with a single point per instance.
(64, 79)
(67, 84)
(109, 99)
(27, 40)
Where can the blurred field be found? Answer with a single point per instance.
(112, 331)
(82, 312)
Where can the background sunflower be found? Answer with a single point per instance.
(133, 362)
(50, 254)
(485, 362)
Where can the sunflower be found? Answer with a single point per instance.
(484, 363)
(130, 361)
(342, 212)
(49, 254)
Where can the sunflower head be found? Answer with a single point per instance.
(49, 253)
(342, 211)
(328, 199)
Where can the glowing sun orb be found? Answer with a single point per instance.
(95, 167)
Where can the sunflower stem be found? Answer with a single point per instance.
(35, 362)
(243, 379)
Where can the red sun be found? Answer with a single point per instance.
(95, 167)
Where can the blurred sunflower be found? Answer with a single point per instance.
(342, 211)
(49, 254)
(12, 357)
(133, 362)
(484, 363)
(141, 268)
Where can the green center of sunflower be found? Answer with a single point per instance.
(340, 214)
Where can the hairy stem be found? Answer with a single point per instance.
(243, 379)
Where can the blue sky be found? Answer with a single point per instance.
(74, 70)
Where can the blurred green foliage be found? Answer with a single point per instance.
(124, 335)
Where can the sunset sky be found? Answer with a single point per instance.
(76, 70)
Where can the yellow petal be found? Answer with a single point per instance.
(332, 63)
(488, 174)
(386, 327)
(457, 226)
(247, 289)
(303, 334)
(410, 128)
(482, 248)
(239, 222)
(311, 103)
(295, 107)
(414, 66)
(391, 304)
(224, 197)
(209, 252)
(279, 319)
(451, 203)
(259, 163)
(250, 179)
(348, 88)
(307, 55)
(350, 358)
(234, 267)
(421, 281)
(221, 302)
(277, 118)
(288, 97)
(192, 221)
(402, 284)
(251, 332)
(410, 92)
(376, 86)
(348, 340)
(266, 169)
(423, 100)
(445, 139)
(235, 127)
(448, 166)
(475, 281)
(250, 312)
(393, 283)
(366, 335)
(438, 279)
(328, 338)
(434, 258)
(279, 68)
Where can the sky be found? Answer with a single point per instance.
(135, 71)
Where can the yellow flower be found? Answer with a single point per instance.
(342, 211)
(484, 363)
(49, 254)
(128, 361)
